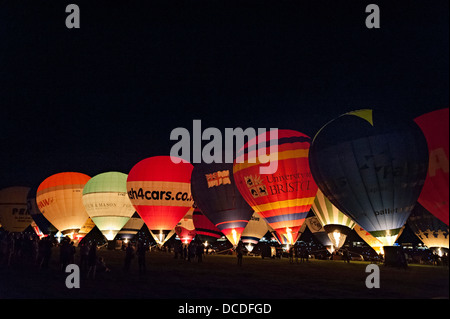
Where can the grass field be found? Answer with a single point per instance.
(219, 277)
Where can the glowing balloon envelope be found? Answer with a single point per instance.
(215, 193)
(430, 230)
(337, 225)
(41, 222)
(283, 198)
(316, 228)
(255, 230)
(374, 243)
(131, 228)
(106, 201)
(204, 228)
(14, 215)
(371, 165)
(435, 192)
(185, 229)
(160, 191)
(59, 198)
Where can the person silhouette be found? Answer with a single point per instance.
(141, 250)
(239, 254)
(92, 260)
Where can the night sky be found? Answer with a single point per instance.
(107, 95)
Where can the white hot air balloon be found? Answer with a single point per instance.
(106, 201)
(256, 228)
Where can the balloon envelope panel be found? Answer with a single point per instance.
(371, 165)
(435, 192)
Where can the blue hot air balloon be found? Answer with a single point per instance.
(371, 165)
(215, 193)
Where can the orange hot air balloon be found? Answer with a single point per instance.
(435, 192)
(160, 191)
(284, 197)
(59, 198)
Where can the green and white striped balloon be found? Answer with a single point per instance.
(336, 224)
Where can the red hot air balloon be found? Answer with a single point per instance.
(435, 192)
(185, 228)
(283, 198)
(204, 228)
(160, 191)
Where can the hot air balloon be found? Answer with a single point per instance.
(14, 215)
(316, 228)
(85, 229)
(283, 198)
(254, 231)
(215, 193)
(206, 231)
(131, 228)
(430, 230)
(41, 222)
(435, 192)
(106, 201)
(59, 198)
(371, 165)
(37, 230)
(374, 243)
(185, 228)
(337, 225)
(160, 191)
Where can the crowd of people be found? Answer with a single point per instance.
(192, 251)
(20, 247)
(296, 252)
(27, 250)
